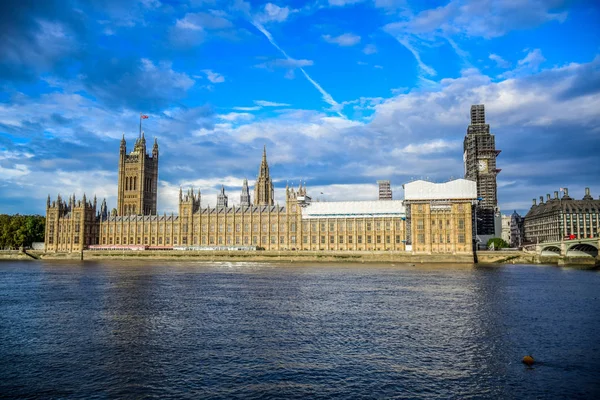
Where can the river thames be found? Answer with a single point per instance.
(251, 330)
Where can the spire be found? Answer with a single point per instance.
(48, 201)
(263, 189)
(123, 144)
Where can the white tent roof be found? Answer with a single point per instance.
(341, 209)
(456, 189)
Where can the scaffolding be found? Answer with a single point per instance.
(480, 166)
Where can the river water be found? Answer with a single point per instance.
(251, 330)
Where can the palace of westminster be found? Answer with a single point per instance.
(432, 218)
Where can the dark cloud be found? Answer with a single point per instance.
(38, 36)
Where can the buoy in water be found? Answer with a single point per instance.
(528, 360)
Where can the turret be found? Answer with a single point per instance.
(245, 195)
(48, 202)
(222, 198)
(123, 149)
(155, 149)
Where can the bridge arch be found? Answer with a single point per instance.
(551, 251)
(582, 250)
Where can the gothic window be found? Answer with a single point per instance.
(331, 239)
(322, 239)
(229, 228)
(282, 228)
(293, 239)
(331, 227)
(461, 223)
(378, 225)
(359, 239)
(341, 239)
(274, 227)
(368, 238)
(314, 240)
(350, 239)
(281, 239)
(378, 239)
(293, 227)
(387, 239)
(322, 226)
(397, 239)
(461, 238)
(368, 226)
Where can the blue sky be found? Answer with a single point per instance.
(342, 92)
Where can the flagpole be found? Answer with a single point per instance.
(140, 125)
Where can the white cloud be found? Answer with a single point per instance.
(346, 39)
(370, 49)
(264, 103)
(434, 146)
(500, 62)
(326, 96)
(213, 76)
(234, 117)
(288, 63)
(342, 3)
(533, 59)
(254, 108)
(273, 13)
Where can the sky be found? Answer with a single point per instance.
(342, 93)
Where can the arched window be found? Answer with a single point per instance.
(135, 183)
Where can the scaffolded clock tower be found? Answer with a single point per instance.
(480, 166)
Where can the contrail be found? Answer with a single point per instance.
(326, 96)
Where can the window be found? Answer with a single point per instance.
(273, 240)
(322, 239)
(246, 227)
(281, 239)
(331, 239)
(350, 239)
(378, 225)
(293, 239)
(341, 239)
(274, 227)
(349, 226)
(237, 227)
(421, 238)
(237, 240)
(461, 238)
(378, 239)
(397, 239)
(322, 226)
(220, 228)
(282, 228)
(254, 227)
(220, 240)
(229, 229)
(368, 238)
(304, 239)
(368, 226)
(448, 238)
(314, 240)
(387, 239)
(461, 223)
(420, 224)
(331, 227)
(359, 241)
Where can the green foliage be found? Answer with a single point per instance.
(498, 243)
(21, 230)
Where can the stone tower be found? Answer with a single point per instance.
(480, 166)
(138, 179)
(245, 196)
(263, 189)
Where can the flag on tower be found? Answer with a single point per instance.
(144, 116)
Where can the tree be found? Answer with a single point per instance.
(21, 230)
(498, 243)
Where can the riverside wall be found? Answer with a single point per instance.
(484, 257)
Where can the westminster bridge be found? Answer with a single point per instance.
(569, 251)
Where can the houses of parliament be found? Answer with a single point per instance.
(432, 218)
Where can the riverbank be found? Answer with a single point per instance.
(484, 257)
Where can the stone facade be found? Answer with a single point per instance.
(300, 224)
(138, 179)
(562, 217)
